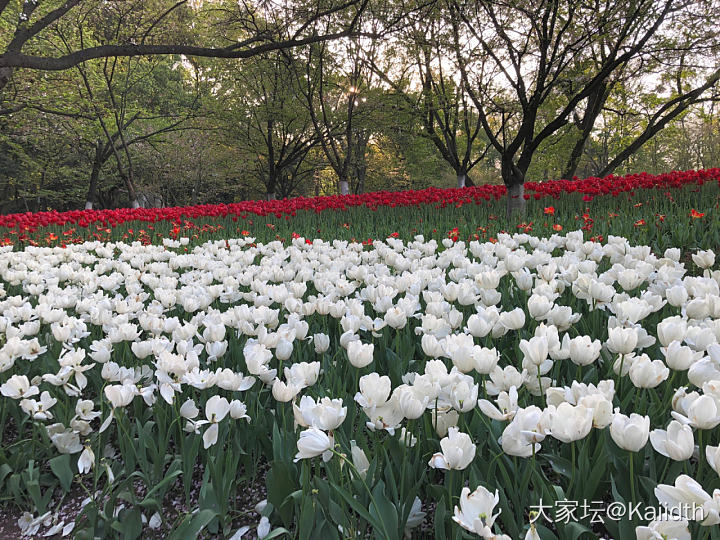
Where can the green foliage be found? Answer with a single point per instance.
(202, 130)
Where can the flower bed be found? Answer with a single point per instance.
(100, 220)
(498, 383)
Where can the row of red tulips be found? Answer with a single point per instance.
(589, 187)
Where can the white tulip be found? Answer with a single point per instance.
(360, 354)
(374, 390)
(622, 340)
(704, 259)
(475, 513)
(583, 350)
(570, 423)
(677, 442)
(689, 499)
(312, 443)
(648, 374)
(283, 350)
(680, 357)
(18, 387)
(458, 451)
(673, 528)
(284, 392)
(630, 433)
(321, 342)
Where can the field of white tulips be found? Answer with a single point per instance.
(524, 388)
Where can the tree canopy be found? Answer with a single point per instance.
(150, 102)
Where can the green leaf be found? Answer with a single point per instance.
(5, 470)
(164, 483)
(281, 482)
(307, 518)
(60, 466)
(440, 520)
(545, 533)
(191, 526)
(561, 465)
(129, 524)
(359, 508)
(385, 512)
(275, 533)
(575, 530)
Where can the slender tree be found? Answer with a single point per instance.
(270, 124)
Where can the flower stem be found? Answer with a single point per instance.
(701, 454)
(632, 478)
(449, 478)
(572, 468)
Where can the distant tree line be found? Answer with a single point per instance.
(154, 102)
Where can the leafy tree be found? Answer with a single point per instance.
(159, 27)
(267, 118)
(516, 57)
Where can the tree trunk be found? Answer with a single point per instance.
(514, 179)
(344, 189)
(270, 184)
(461, 177)
(574, 159)
(42, 185)
(133, 196)
(360, 175)
(5, 76)
(134, 201)
(94, 175)
(515, 201)
(359, 161)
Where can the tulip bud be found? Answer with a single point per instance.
(284, 349)
(322, 343)
(360, 460)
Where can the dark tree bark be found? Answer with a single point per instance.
(596, 101)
